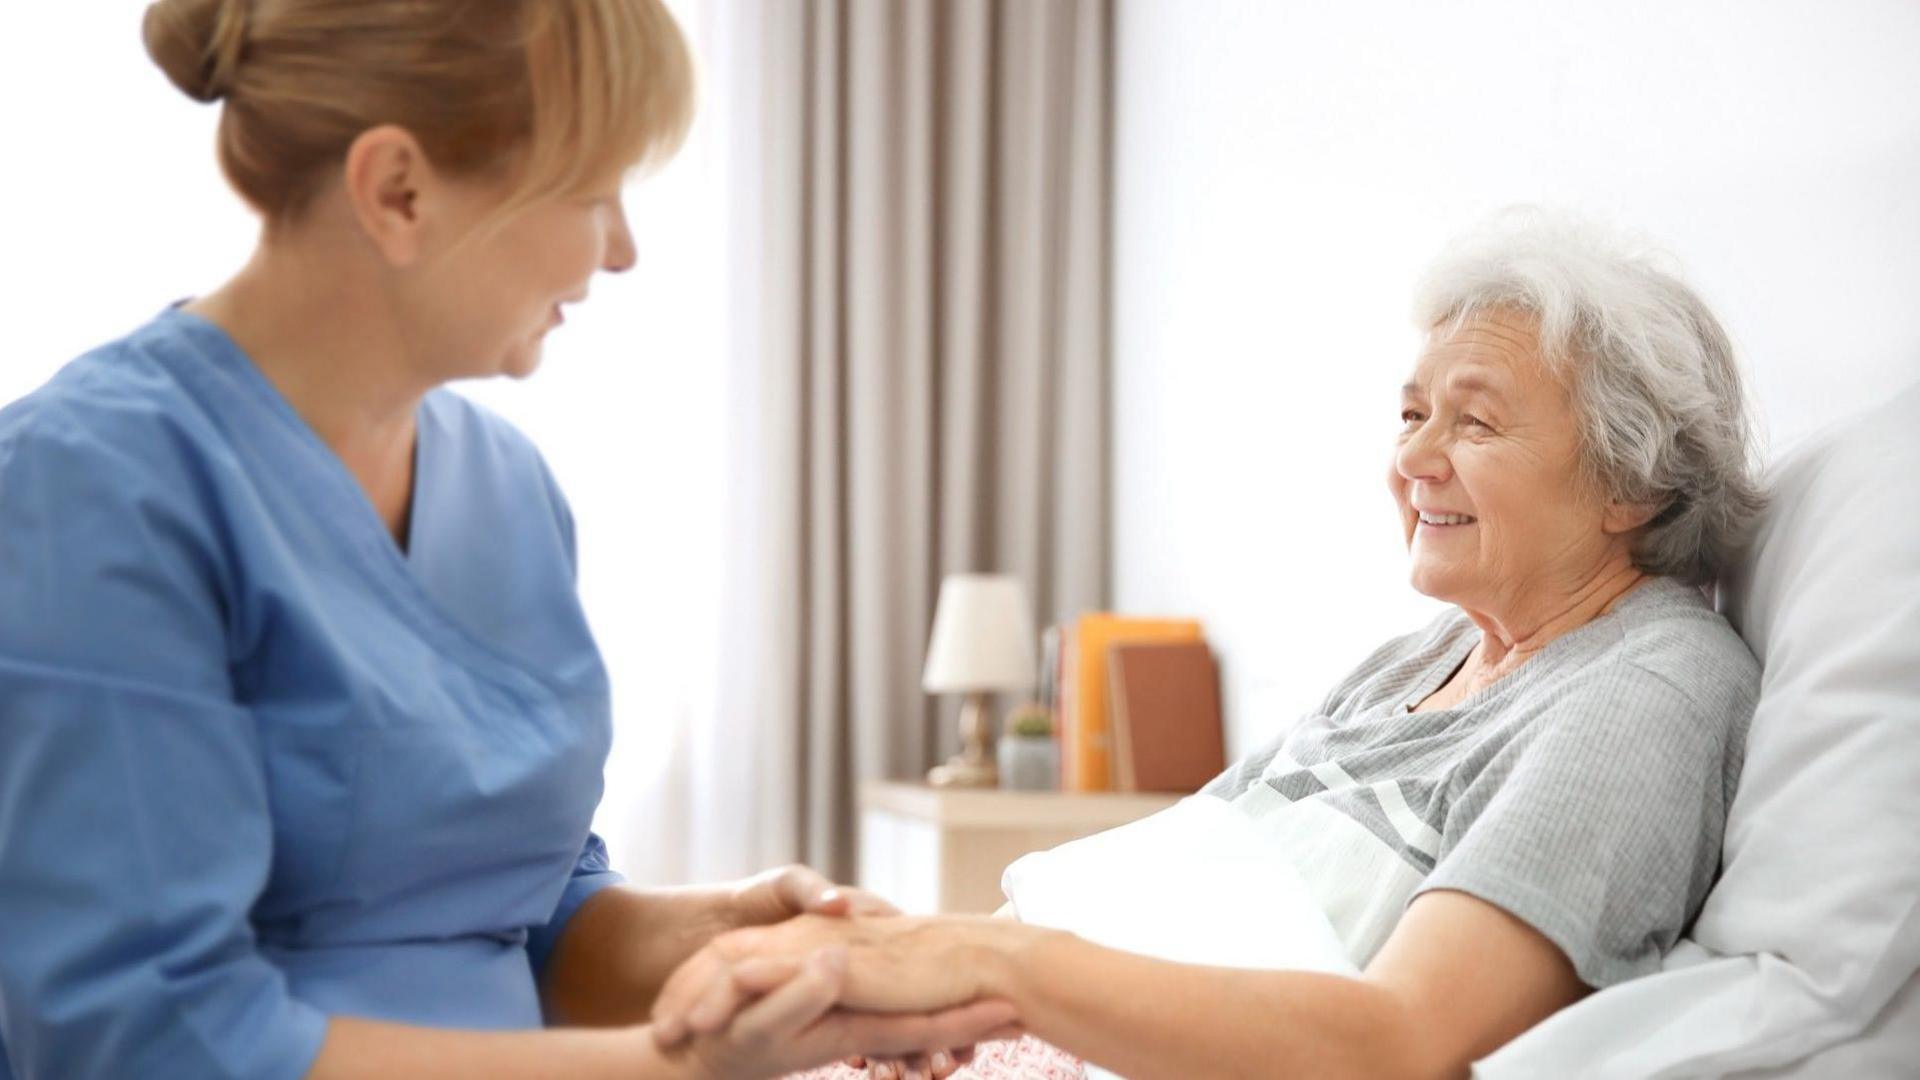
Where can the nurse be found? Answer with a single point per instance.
(301, 724)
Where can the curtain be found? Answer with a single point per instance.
(920, 221)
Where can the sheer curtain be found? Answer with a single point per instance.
(918, 384)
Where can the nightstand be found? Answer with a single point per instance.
(942, 850)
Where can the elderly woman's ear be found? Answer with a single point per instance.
(1623, 517)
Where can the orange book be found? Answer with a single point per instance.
(1088, 742)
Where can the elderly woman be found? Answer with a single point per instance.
(1499, 812)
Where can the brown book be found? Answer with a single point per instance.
(1166, 716)
(1088, 748)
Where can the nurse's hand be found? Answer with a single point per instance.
(779, 895)
(790, 1024)
(935, 1066)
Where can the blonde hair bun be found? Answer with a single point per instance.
(197, 43)
(550, 95)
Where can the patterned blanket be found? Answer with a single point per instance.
(1012, 1059)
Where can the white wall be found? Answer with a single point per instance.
(1283, 170)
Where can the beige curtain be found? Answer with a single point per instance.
(922, 222)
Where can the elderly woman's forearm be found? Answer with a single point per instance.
(1149, 1018)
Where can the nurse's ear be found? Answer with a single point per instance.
(388, 182)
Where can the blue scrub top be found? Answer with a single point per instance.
(258, 766)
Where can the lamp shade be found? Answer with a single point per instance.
(982, 636)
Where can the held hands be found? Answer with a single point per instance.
(896, 964)
(786, 1021)
(915, 969)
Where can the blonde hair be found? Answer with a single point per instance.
(550, 95)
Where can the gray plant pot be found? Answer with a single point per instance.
(1029, 763)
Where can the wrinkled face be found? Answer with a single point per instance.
(1486, 472)
(487, 307)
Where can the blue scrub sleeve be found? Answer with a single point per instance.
(134, 825)
(591, 873)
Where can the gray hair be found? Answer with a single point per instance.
(1651, 374)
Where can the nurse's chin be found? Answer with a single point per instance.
(522, 362)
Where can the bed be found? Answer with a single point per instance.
(1805, 959)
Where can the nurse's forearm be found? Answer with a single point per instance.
(357, 1049)
(620, 946)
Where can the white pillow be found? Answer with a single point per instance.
(1193, 883)
(1815, 922)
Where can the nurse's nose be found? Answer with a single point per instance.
(621, 253)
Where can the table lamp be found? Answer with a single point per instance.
(982, 642)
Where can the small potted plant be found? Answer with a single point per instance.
(1029, 758)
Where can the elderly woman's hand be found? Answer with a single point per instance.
(938, 1066)
(787, 1021)
(896, 964)
(780, 894)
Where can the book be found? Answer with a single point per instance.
(1087, 759)
(1167, 730)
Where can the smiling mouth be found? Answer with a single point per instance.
(1446, 521)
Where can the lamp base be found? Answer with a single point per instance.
(959, 772)
(973, 766)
